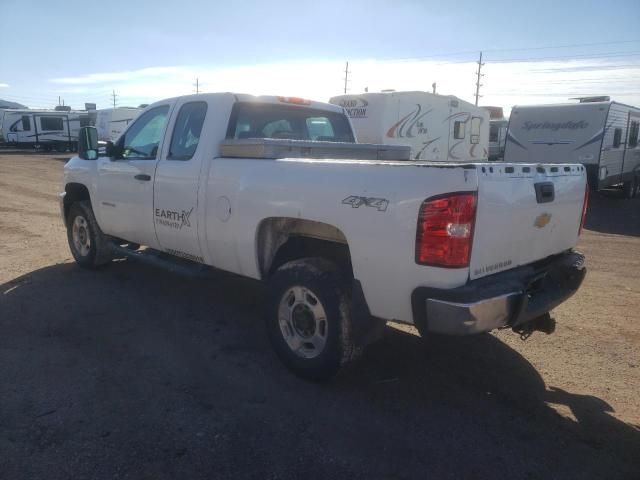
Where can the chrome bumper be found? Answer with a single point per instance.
(505, 299)
(476, 317)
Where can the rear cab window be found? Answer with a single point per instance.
(266, 120)
(187, 131)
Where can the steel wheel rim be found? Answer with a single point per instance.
(80, 236)
(303, 322)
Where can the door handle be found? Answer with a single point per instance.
(143, 176)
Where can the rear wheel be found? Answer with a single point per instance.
(88, 245)
(309, 318)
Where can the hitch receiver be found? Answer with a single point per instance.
(543, 323)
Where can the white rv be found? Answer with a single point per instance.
(46, 129)
(111, 122)
(597, 132)
(437, 127)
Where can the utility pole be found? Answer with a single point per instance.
(433, 85)
(346, 76)
(114, 98)
(197, 85)
(478, 75)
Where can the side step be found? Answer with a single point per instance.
(165, 261)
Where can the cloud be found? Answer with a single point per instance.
(504, 84)
(111, 77)
(4, 85)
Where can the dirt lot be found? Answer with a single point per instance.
(132, 372)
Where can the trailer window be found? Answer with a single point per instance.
(458, 129)
(633, 134)
(187, 130)
(493, 133)
(48, 124)
(26, 123)
(475, 129)
(617, 136)
(267, 120)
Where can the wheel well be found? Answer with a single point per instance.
(75, 192)
(281, 240)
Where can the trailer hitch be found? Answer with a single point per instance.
(544, 323)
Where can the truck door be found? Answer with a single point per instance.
(175, 202)
(125, 185)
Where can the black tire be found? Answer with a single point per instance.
(323, 281)
(98, 251)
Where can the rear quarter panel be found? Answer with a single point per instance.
(381, 242)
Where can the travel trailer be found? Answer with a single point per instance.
(597, 132)
(46, 129)
(437, 127)
(111, 122)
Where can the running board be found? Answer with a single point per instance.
(156, 259)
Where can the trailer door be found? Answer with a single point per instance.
(631, 158)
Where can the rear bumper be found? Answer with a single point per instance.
(505, 299)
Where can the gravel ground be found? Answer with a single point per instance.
(132, 372)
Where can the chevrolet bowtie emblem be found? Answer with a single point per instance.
(542, 220)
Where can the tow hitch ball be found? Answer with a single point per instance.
(543, 323)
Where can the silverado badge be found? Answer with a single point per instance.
(542, 220)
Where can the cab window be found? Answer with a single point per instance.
(187, 131)
(142, 139)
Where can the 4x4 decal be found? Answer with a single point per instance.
(355, 201)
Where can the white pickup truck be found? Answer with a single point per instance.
(346, 235)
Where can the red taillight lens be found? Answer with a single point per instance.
(445, 230)
(584, 209)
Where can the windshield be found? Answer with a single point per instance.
(263, 120)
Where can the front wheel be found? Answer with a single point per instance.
(309, 318)
(88, 245)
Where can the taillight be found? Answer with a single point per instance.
(584, 209)
(445, 230)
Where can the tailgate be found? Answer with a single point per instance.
(526, 212)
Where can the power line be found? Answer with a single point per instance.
(523, 49)
(575, 56)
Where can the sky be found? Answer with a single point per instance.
(533, 52)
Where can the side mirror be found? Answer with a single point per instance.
(88, 143)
